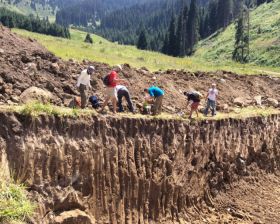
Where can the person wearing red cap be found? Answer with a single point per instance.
(111, 94)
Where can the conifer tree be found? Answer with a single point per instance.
(179, 36)
(193, 27)
(241, 46)
(172, 38)
(88, 39)
(224, 13)
(142, 41)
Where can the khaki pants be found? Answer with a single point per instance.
(83, 92)
(157, 106)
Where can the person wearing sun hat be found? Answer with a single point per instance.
(83, 84)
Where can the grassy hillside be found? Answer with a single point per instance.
(112, 53)
(264, 39)
(25, 8)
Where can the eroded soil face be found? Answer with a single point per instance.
(25, 63)
(124, 170)
(253, 199)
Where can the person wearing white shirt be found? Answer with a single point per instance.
(212, 100)
(122, 91)
(83, 84)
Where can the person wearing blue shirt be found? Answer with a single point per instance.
(156, 96)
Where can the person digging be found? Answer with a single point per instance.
(155, 98)
(111, 81)
(193, 98)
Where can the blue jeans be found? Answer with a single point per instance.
(210, 104)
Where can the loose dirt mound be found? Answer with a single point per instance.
(24, 63)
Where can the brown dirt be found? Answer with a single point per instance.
(25, 63)
(123, 170)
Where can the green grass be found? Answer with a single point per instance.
(264, 39)
(15, 207)
(35, 108)
(112, 53)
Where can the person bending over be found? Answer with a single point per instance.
(193, 98)
(111, 81)
(122, 91)
(156, 96)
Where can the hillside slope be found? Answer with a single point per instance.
(264, 38)
(25, 63)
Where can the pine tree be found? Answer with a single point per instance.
(179, 36)
(165, 45)
(193, 27)
(142, 41)
(212, 11)
(224, 13)
(241, 46)
(88, 39)
(172, 38)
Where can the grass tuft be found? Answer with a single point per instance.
(14, 204)
(36, 108)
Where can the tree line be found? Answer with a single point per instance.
(34, 24)
(194, 23)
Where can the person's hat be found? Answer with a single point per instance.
(119, 67)
(90, 69)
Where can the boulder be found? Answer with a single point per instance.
(36, 94)
(242, 101)
(258, 100)
(272, 102)
(2, 51)
(239, 101)
(73, 217)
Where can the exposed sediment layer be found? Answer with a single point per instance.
(112, 170)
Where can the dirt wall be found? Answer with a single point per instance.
(110, 170)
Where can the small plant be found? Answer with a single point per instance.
(14, 204)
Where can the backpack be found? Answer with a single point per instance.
(94, 102)
(197, 95)
(106, 80)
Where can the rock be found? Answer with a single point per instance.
(222, 80)
(15, 99)
(258, 100)
(54, 68)
(36, 94)
(73, 217)
(239, 101)
(26, 59)
(69, 202)
(2, 51)
(225, 108)
(272, 102)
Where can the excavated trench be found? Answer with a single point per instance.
(128, 170)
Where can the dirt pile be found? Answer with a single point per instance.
(24, 63)
(110, 170)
